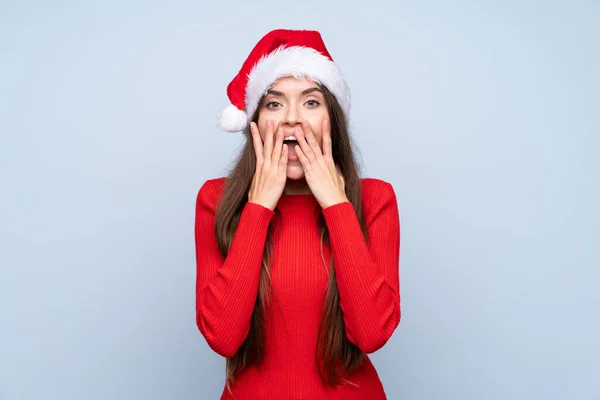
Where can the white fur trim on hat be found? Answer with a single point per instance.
(299, 62)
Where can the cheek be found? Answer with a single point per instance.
(316, 119)
(318, 136)
(262, 122)
(319, 140)
(317, 128)
(262, 127)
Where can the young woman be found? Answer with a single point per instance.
(297, 256)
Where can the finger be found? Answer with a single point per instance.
(303, 159)
(284, 159)
(268, 152)
(311, 139)
(278, 145)
(257, 142)
(302, 142)
(340, 175)
(327, 151)
(327, 147)
(338, 171)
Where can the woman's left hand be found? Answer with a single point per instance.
(323, 176)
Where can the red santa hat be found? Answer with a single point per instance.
(280, 53)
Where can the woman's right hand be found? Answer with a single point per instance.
(271, 166)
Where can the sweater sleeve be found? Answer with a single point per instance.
(226, 288)
(367, 275)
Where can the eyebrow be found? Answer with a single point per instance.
(304, 92)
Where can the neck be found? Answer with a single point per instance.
(296, 186)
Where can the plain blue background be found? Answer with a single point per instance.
(483, 115)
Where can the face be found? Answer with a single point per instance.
(287, 103)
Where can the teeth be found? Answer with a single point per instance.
(289, 138)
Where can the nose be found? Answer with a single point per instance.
(292, 116)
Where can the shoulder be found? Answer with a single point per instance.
(378, 199)
(209, 192)
(375, 190)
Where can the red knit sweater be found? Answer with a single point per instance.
(367, 278)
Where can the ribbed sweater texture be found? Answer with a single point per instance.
(367, 275)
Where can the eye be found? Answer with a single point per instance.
(312, 103)
(272, 105)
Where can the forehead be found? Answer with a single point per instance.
(292, 84)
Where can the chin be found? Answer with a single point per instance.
(295, 172)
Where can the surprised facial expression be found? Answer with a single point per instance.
(287, 103)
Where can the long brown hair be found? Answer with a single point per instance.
(334, 350)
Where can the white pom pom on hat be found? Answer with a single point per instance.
(282, 52)
(232, 119)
